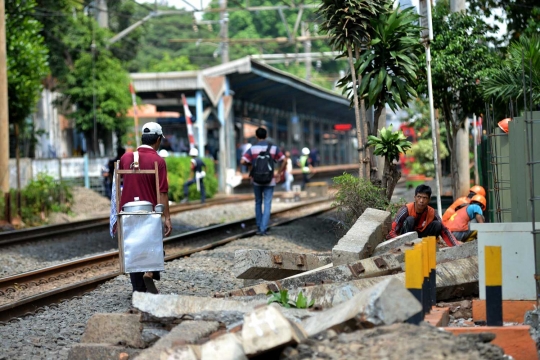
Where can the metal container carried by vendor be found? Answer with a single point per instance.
(141, 237)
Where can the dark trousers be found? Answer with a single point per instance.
(305, 180)
(194, 181)
(433, 229)
(137, 280)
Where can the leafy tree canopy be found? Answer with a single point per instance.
(26, 59)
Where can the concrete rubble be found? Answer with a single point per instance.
(272, 265)
(362, 239)
(360, 286)
(374, 306)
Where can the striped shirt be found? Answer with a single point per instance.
(251, 154)
(401, 216)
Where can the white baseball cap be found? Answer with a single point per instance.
(152, 128)
(163, 153)
(305, 151)
(193, 152)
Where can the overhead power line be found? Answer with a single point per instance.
(278, 40)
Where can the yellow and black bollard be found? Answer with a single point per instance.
(432, 245)
(426, 290)
(493, 266)
(414, 278)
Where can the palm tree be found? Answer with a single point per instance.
(522, 65)
(347, 22)
(390, 66)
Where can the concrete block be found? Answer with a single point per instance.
(362, 239)
(270, 265)
(114, 329)
(187, 332)
(370, 267)
(183, 352)
(177, 305)
(386, 303)
(457, 252)
(395, 243)
(266, 328)
(225, 347)
(99, 352)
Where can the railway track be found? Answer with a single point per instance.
(101, 223)
(28, 293)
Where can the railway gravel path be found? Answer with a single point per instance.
(49, 334)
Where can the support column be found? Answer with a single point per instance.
(321, 143)
(222, 157)
(331, 146)
(289, 131)
(4, 120)
(339, 148)
(312, 134)
(199, 112)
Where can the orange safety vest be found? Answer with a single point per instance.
(459, 221)
(429, 217)
(452, 209)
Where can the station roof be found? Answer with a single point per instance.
(253, 82)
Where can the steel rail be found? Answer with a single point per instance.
(98, 223)
(107, 266)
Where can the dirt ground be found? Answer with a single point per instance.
(86, 204)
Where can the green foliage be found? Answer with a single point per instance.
(422, 152)
(180, 63)
(111, 82)
(178, 171)
(353, 197)
(506, 82)
(26, 59)
(347, 22)
(520, 17)
(42, 196)
(282, 298)
(390, 144)
(419, 117)
(390, 65)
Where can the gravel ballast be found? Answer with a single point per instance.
(50, 334)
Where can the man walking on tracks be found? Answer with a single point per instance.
(143, 187)
(196, 177)
(262, 157)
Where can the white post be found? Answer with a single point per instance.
(475, 139)
(199, 111)
(425, 11)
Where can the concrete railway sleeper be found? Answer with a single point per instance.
(27, 293)
(45, 232)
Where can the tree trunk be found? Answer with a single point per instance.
(390, 178)
(374, 173)
(364, 125)
(455, 166)
(18, 166)
(356, 112)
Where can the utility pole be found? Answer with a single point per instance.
(4, 120)
(224, 22)
(307, 49)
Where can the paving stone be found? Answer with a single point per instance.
(225, 347)
(114, 329)
(266, 328)
(362, 239)
(394, 243)
(385, 303)
(272, 265)
(466, 250)
(187, 332)
(99, 352)
(370, 267)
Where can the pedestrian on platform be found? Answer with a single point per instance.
(289, 178)
(420, 217)
(262, 157)
(465, 214)
(196, 176)
(143, 186)
(305, 165)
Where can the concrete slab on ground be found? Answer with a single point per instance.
(362, 239)
(99, 352)
(396, 242)
(114, 329)
(273, 265)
